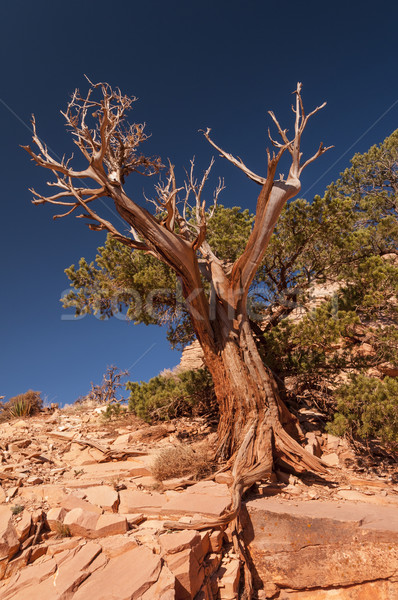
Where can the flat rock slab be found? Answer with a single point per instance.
(113, 470)
(52, 494)
(368, 516)
(91, 525)
(104, 496)
(372, 590)
(134, 501)
(205, 498)
(315, 544)
(126, 577)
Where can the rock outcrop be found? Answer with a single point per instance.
(81, 516)
(320, 550)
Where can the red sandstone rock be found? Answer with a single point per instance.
(188, 572)
(178, 541)
(126, 577)
(104, 496)
(23, 525)
(9, 542)
(305, 546)
(228, 579)
(71, 502)
(205, 497)
(55, 518)
(81, 522)
(132, 501)
(110, 524)
(163, 589)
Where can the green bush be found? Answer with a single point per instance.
(23, 405)
(367, 408)
(173, 394)
(114, 412)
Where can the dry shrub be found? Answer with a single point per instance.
(23, 405)
(180, 461)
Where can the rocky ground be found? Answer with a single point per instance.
(81, 516)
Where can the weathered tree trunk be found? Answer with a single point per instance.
(251, 412)
(253, 418)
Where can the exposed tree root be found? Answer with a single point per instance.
(253, 463)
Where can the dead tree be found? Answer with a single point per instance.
(254, 422)
(105, 393)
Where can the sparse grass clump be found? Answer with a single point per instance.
(23, 405)
(62, 530)
(17, 509)
(181, 461)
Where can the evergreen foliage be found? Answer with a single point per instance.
(172, 394)
(349, 236)
(367, 408)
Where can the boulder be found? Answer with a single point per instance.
(72, 501)
(110, 524)
(91, 525)
(178, 541)
(331, 460)
(116, 545)
(9, 542)
(189, 574)
(164, 588)
(55, 518)
(104, 496)
(216, 540)
(81, 522)
(320, 544)
(23, 525)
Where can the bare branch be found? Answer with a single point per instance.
(321, 150)
(104, 225)
(282, 133)
(237, 162)
(273, 196)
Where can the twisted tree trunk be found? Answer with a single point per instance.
(252, 413)
(253, 420)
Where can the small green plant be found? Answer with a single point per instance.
(17, 508)
(179, 461)
(367, 408)
(78, 472)
(113, 412)
(62, 530)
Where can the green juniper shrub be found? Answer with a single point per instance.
(114, 411)
(367, 409)
(172, 394)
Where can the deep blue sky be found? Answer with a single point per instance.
(192, 65)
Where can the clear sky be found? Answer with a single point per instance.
(197, 64)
